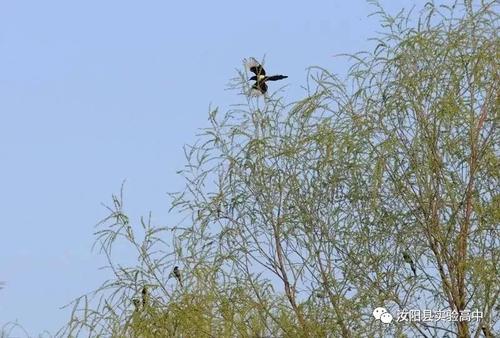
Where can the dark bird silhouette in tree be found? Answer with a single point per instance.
(177, 274)
(260, 77)
(407, 259)
(487, 332)
(144, 297)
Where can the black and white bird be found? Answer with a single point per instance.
(260, 77)
(177, 274)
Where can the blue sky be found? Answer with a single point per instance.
(95, 92)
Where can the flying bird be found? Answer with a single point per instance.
(177, 274)
(260, 77)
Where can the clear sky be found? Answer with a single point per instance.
(95, 92)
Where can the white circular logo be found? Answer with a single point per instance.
(386, 318)
(379, 312)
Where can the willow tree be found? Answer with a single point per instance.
(376, 190)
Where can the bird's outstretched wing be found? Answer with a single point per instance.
(276, 77)
(254, 66)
